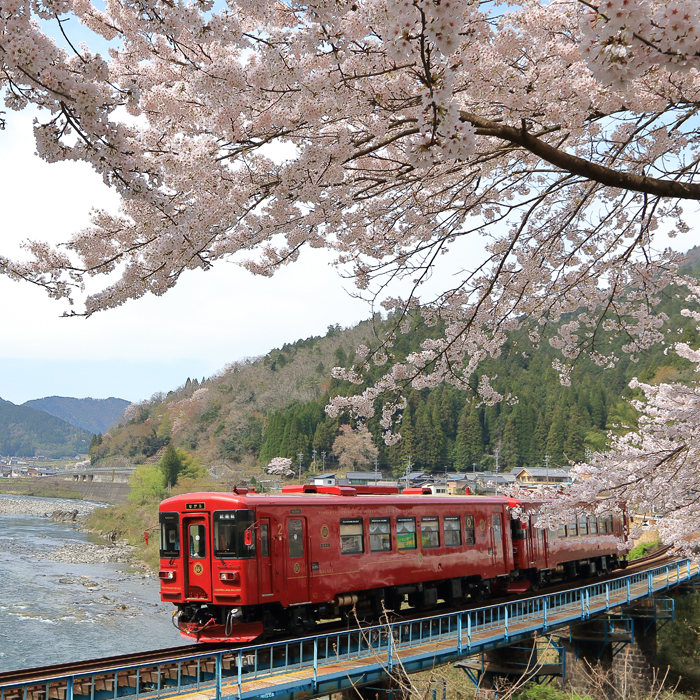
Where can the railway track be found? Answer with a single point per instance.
(102, 674)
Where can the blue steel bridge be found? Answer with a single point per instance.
(330, 663)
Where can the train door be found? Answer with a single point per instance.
(497, 540)
(197, 557)
(537, 543)
(264, 558)
(297, 569)
(542, 536)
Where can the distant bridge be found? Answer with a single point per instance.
(331, 663)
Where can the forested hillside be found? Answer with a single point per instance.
(94, 415)
(273, 406)
(25, 432)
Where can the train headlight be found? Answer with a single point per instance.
(166, 575)
(230, 576)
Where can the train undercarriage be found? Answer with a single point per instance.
(213, 623)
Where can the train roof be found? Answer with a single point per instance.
(252, 499)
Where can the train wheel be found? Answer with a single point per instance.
(537, 581)
(299, 623)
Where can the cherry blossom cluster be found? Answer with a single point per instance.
(623, 37)
(562, 131)
(280, 466)
(651, 469)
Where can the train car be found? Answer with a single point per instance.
(238, 565)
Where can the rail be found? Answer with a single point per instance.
(328, 663)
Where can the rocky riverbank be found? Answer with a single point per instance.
(66, 511)
(44, 507)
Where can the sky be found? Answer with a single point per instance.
(151, 344)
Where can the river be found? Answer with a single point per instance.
(55, 612)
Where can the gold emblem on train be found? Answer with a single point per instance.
(297, 568)
(198, 568)
(324, 532)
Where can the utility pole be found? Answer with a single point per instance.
(498, 449)
(323, 462)
(301, 460)
(407, 473)
(313, 461)
(376, 470)
(546, 464)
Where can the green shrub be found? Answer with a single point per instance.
(641, 550)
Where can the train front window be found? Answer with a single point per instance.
(169, 535)
(229, 534)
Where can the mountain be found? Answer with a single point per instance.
(273, 406)
(93, 415)
(25, 432)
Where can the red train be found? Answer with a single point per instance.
(240, 564)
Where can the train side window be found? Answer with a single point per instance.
(561, 530)
(351, 536)
(603, 528)
(469, 529)
(582, 525)
(405, 533)
(265, 540)
(572, 529)
(453, 531)
(198, 541)
(295, 530)
(379, 535)
(593, 526)
(429, 532)
(611, 522)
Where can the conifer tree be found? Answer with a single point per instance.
(573, 446)
(170, 464)
(557, 434)
(597, 403)
(476, 434)
(510, 447)
(539, 440)
(407, 446)
(462, 449)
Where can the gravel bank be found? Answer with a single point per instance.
(66, 511)
(29, 505)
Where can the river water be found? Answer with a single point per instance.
(53, 612)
